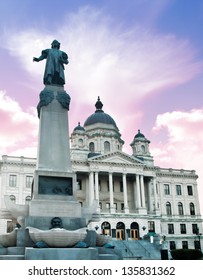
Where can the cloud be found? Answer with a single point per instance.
(182, 127)
(106, 60)
(184, 145)
(18, 129)
(121, 66)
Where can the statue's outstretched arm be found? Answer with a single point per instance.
(42, 56)
(39, 58)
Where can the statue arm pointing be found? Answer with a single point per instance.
(42, 56)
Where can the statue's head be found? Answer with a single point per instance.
(56, 222)
(55, 44)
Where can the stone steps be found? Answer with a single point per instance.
(107, 257)
(12, 253)
(12, 257)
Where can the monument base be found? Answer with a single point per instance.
(55, 207)
(44, 223)
(54, 184)
(61, 254)
(71, 254)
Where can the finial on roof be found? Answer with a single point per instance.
(99, 105)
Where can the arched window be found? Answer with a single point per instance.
(134, 231)
(180, 209)
(80, 142)
(12, 198)
(168, 209)
(143, 148)
(91, 147)
(106, 146)
(106, 228)
(120, 231)
(27, 199)
(192, 209)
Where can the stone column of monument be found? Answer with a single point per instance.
(54, 182)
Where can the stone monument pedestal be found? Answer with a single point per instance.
(54, 217)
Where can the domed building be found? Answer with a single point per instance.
(99, 135)
(132, 198)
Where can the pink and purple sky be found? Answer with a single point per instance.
(143, 58)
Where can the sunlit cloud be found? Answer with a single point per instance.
(122, 67)
(183, 148)
(18, 129)
(107, 61)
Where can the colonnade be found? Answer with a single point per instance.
(138, 192)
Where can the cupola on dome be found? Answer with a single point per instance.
(99, 116)
(139, 136)
(79, 127)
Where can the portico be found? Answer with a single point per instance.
(120, 189)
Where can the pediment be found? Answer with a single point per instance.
(117, 157)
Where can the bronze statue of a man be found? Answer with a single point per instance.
(54, 70)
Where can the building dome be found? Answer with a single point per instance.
(139, 136)
(99, 116)
(79, 127)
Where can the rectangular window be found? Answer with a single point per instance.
(107, 205)
(28, 181)
(151, 226)
(122, 206)
(170, 229)
(183, 228)
(172, 245)
(197, 245)
(100, 205)
(195, 229)
(168, 209)
(184, 244)
(115, 205)
(178, 190)
(12, 180)
(166, 189)
(189, 190)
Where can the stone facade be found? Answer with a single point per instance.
(134, 198)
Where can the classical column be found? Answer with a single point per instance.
(112, 207)
(149, 197)
(91, 187)
(135, 193)
(142, 191)
(138, 191)
(97, 189)
(155, 193)
(126, 208)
